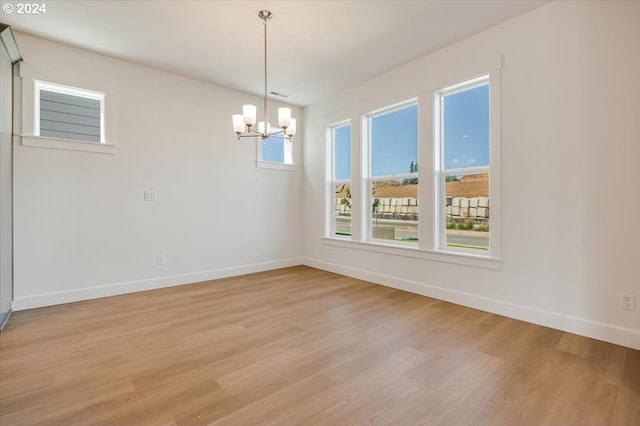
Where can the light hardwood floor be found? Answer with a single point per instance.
(303, 346)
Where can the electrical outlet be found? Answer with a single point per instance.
(160, 259)
(150, 196)
(628, 302)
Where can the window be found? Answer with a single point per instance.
(61, 116)
(63, 112)
(463, 172)
(393, 174)
(276, 149)
(447, 139)
(340, 181)
(275, 152)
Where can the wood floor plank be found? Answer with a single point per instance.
(303, 346)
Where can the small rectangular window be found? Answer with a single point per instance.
(64, 112)
(275, 149)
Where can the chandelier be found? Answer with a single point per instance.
(244, 125)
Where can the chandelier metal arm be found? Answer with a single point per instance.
(251, 133)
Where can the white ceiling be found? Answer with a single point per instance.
(315, 47)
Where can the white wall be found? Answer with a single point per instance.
(82, 229)
(570, 126)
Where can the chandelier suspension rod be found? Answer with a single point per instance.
(265, 115)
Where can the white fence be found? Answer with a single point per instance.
(457, 208)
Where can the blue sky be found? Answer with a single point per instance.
(343, 152)
(466, 128)
(273, 149)
(394, 136)
(394, 141)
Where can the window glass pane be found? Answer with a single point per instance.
(466, 128)
(342, 203)
(288, 151)
(467, 212)
(394, 209)
(273, 149)
(69, 117)
(342, 152)
(394, 141)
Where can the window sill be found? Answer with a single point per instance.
(466, 259)
(276, 166)
(54, 143)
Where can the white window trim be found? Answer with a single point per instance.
(276, 166)
(439, 243)
(67, 144)
(426, 248)
(30, 112)
(379, 246)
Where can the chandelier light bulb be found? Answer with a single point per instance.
(284, 117)
(238, 123)
(291, 129)
(250, 113)
(261, 128)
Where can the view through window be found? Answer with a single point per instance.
(276, 149)
(341, 140)
(462, 122)
(465, 140)
(393, 177)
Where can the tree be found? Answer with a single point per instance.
(374, 208)
(346, 201)
(413, 168)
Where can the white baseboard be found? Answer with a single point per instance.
(597, 330)
(594, 329)
(76, 295)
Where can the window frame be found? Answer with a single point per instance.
(429, 191)
(28, 137)
(441, 172)
(288, 152)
